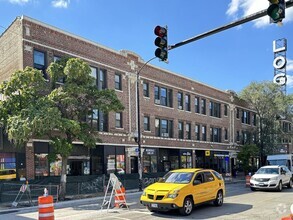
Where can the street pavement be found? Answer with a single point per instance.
(240, 203)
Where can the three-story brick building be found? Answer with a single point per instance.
(184, 123)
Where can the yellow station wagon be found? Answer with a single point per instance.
(183, 188)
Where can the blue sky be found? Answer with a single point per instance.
(228, 60)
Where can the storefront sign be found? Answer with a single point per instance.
(150, 151)
(207, 153)
(221, 155)
(186, 154)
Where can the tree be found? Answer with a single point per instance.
(246, 155)
(270, 103)
(35, 108)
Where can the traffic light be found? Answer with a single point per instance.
(276, 10)
(162, 43)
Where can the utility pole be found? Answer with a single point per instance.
(225, 27)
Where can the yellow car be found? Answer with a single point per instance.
(183, 188)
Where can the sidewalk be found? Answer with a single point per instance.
(7, 207)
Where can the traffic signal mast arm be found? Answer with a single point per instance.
(228, 26)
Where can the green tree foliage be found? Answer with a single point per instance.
(270, 103)
(246, 155)
(35, 108)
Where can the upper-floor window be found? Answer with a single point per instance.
(196, 104)
(163, 96)
(203, 106)
(215, 134)
(226, 134)
(187, 102)
(100, 77)
(40, 62)
(180, 130)
(215, 109)
(286, 126)
(204, 133)
(146, 123)
(61, 80)
(180, 100)
(254, 119)
(237, 113)
(118, 81)
(118, 120)
(226, 110)
(196, 131)
(163, 128)
(237, 136)
(98, 120)
(245, 117)
(146, 91)
(188, 131)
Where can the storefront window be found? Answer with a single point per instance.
(150, 161)
(120, 164)
(56, 167)
(7, 166)
(174, 162)
(41, 165)
(186, 160)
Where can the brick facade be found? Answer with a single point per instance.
(25, 34)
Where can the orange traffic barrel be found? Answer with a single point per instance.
(120, 200)
(46, 208)
(290, 217)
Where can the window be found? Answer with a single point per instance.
(215, 134)
(204, 133)
(187, 102)
(196, 131)
(180, 100)
(41, 165)
(61, 80)
(215, 109)
(163, 96)
(188, 129)
(146, 92)
(237, 136)
(180, 130)
(100, 78)
(208, 177)
(226, 110)
(226, 134)
(163, 128)
(98, 120)
(245, 117)
(196, 104)
(40, 62)
(203, 106)
(237, 113)
(118, 120)
(146, 123)
(254, 119)
(118, 82)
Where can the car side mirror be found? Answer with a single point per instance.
(196, 182)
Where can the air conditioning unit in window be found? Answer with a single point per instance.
(157, 101)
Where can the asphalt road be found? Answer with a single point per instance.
(239, 203)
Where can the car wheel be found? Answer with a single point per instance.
(252, 189)
(219, 199)
(280, 187)
(187, 206)
(290, 184)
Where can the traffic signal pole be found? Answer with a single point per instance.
(225, 27)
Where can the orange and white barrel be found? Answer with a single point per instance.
(46, 208)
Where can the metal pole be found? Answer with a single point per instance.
(138, 125)
(225, 27)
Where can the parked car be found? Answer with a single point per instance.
(183, 188)
(9, 174)
(271, 177)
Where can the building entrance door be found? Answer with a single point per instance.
(133, 164)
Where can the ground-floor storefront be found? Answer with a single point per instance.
(105, 159)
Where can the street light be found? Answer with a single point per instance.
(137, 133)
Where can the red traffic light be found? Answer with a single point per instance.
(160, 31)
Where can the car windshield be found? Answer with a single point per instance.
(268, 171)
(180, 177)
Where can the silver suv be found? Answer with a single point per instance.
(271, 177)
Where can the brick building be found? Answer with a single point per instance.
(184, 123)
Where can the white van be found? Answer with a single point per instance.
(281, 159)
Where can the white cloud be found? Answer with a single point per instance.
(289, 68)
(289, 65)
(60, 3)
(20, 2)
(242, 8)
